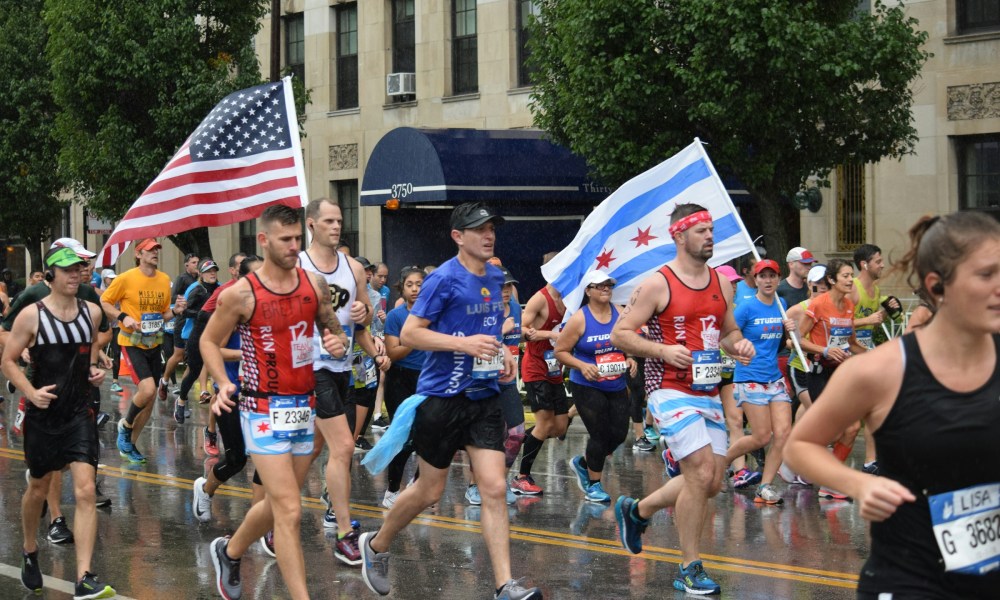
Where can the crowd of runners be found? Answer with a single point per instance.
(301, 349)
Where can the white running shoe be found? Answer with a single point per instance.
(202, 502)
(389, 498)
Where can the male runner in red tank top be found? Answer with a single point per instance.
(275, 309)
(543, 381)
(685, 308)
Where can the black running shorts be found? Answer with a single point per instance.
(145, 363)
(443, 426)
(48, 448)
(543, 395)
(331, 393)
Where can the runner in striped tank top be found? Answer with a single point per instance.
(59, 428)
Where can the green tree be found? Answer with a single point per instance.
(133, 80)
(29, 179)
(780, 90)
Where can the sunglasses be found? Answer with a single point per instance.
(601, 286)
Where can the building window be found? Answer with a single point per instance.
(976, 16)
(248, 236)
(295, 45)
(346, 192)
(526, 11)
(850, 207)
(979, 171)
(464, 48)
(347, 56)
(403, 37)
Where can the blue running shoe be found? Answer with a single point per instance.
(745, 478)
(630, 529)
(652, 433)
(330, 519)
(472, 495)
(694, 580)
(126, 448)
(595, 493)
(582, 476)
(511, 497)
(673, 467)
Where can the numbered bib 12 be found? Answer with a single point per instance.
(966, 526)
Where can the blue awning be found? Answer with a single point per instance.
(451, 166)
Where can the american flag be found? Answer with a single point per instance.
(243, 157)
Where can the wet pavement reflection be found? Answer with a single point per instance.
(150, 545)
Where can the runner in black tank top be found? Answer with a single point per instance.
(933, 441)
(932, 401)
(59, 426)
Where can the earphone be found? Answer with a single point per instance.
(49, 275)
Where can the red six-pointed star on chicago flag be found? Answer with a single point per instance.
(604, 259)
(643, 238)
(263, 427)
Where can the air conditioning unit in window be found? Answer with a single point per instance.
(400, 84)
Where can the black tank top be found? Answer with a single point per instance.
(933, 440)
(61, 356)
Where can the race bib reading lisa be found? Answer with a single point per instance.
(706, 372)
(966, 527)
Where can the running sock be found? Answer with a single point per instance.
(132, 414)
(841, 451)
(532, 445)
(593, 481)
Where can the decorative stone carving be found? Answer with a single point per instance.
(975, 101)
(343, 156)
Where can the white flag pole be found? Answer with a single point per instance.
(753, 248)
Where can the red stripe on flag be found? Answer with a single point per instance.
(186, 200)
(165, 181)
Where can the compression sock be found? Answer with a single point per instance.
(531, 447)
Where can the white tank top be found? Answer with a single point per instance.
(343, 292)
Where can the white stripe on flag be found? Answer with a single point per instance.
(627, 234)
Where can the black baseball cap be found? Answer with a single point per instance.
(471, 215)
(365, 263)
(508, 277)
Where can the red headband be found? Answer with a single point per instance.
(702, 216)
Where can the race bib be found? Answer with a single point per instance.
(966, 527)
(168, 327)
(291, 417)
(611, 366)
(151, 323)
(840, 337)
(324, 355)
(552, 364)
(728, 363)
(864, 337)
(489, 368)
(706, 372)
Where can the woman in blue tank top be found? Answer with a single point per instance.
(597, 377)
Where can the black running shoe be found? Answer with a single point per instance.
(31, 575)
(59, 532)
(89, 588)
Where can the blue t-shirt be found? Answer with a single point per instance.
(457, 302)
(393, 326)
(761, 324)
(743, 292)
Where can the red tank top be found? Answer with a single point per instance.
(539, 356)
(693, 319)
(276, 341)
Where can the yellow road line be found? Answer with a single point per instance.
(538, 536)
